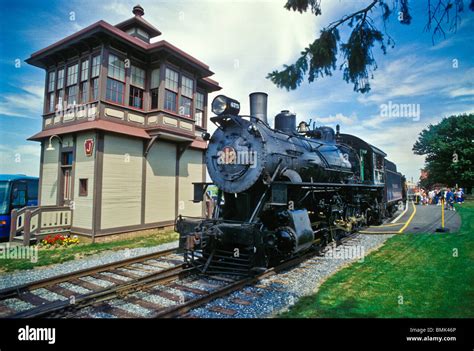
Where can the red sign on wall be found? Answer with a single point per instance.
(89, 147)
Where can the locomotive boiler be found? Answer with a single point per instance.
(282, 190)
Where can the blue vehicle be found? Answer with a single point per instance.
(16, 191)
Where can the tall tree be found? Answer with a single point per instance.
(449, 150)
(320, 57)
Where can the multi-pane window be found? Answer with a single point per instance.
(60, 89)
(199, 114)
(187, 87)
(137, 77)
(172, 81)
(84, 92)
(136, 97)
(115, 91)
(137, 85)
(154, 84)
(51, 95)
(72, 95)
(71, 81)
(115, 82)
(95, 88)
(61, 78)
(186, 98)
(70, 85)
(59, 99)
(72, 75)
(116, 68)
(95, 68)
(143, 33)
(51, 81)
(171, 90)
(51, 102)
(171, 99)
(84, 70)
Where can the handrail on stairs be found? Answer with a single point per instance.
(35, 219)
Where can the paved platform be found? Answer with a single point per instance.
(428, 219)
(417, 219)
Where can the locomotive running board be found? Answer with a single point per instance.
(329, 185)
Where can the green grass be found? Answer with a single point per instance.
(47, 256)
(420, 269)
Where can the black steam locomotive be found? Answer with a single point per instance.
(283, 190)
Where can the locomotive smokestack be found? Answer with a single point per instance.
(258, 106)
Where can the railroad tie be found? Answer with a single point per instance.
(32, 298)
(226, 311)
(241, 301)
(188, 288)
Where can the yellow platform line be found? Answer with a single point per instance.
(367, 232)
(388, 225)
(401, 214)
(409, 220)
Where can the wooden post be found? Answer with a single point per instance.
(13, 219)
(26, 228)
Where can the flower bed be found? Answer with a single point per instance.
(59, 240)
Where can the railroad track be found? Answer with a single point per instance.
(191, 292)
(27, 299)
(182, 310)
(167, 293)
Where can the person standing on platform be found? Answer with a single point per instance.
(431, 197)
(436, 197)
(449, 200)
(460, 196)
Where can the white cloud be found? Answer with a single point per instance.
(27, 103)
(413, 77)
(464, 91)
(242, 41)
(337, 118)
(20, 159)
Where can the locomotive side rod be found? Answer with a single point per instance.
(328, 185)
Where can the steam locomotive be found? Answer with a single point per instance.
(282, 191)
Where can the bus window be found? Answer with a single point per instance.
(4, 203)
(19, 195)
(32, 190)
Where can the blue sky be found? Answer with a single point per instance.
(242, 41)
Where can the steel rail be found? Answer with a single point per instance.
(66, 308)
(15, 291)
(61, 307)
(180, 310)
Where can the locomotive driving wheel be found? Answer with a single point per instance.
(336, 233)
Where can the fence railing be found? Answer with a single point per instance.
(34, 220)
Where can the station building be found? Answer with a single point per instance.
(121, 136)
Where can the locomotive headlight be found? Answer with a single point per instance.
(224, 105)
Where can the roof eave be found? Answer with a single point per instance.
(140, 22)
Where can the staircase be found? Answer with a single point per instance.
(31, 224)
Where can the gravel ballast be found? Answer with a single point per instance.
(17, 278)
(279, 292)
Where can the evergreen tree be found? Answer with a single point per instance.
(320, 57)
